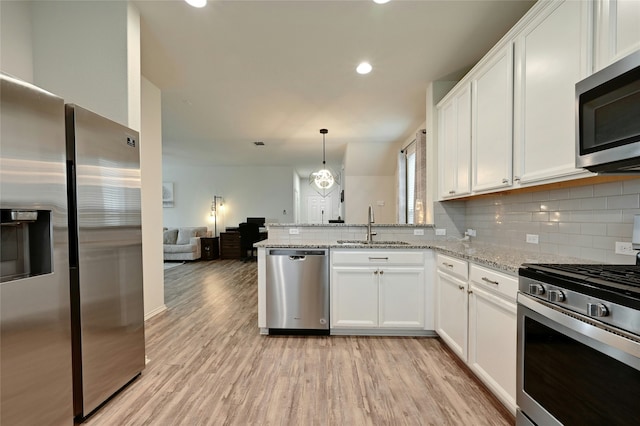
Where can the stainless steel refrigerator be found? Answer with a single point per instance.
(71, 307)
(105, 234)
(35, 327)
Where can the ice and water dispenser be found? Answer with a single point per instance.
(25, 243)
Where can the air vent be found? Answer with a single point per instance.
(258, 143)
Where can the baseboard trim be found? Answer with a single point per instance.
(155, 312)
(380, 332)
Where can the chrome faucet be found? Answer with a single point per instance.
(370, 220)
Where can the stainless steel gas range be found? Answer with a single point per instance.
(578, 345)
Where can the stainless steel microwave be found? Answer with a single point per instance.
(608, 118)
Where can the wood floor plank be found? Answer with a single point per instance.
(210, 366)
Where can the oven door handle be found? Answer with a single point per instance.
(582, 326)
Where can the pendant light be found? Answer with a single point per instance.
(324, 180)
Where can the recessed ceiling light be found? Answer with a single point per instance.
(364, 68)
(381, 1)
(197, 3)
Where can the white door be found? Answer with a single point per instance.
(318, 209)
(354, 298)
(401, 297)
(492, 122)
(452, 313)
(551, 56)
(493, 343)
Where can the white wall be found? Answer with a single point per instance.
(365, 191)
(362, 190)
(81, 52)
(16, 45)
(247, 191)
(150, 161)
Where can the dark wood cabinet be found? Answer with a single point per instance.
(209, 247)
(230, 245)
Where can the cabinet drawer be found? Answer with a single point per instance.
(453, 266)
(374, 257)
(504, 284)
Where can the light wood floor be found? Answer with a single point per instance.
(210, 366)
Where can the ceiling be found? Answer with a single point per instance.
(235, 72)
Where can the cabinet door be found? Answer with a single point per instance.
(492, 344)
(617, 30)
(354, 298)
(401, 297)
(451, 313)
(551, 56)
(455, 143)
(492, 121)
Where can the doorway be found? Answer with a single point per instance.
(318, 209)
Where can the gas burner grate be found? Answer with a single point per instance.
(624, 278)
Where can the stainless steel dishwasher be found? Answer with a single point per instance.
(297, 291)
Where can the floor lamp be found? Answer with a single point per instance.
(214, 213)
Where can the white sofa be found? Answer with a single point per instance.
(183, 243)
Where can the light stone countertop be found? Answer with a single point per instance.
(506, 259)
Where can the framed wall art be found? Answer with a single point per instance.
(167, 194)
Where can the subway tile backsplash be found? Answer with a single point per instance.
(581, 221)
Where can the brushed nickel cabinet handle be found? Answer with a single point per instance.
(485, 279)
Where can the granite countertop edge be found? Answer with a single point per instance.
(501, 258)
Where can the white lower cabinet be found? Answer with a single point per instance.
(451, 312)
(476, 318)
(492, 343)
(377, 290)
(354, 297)
(401, 303)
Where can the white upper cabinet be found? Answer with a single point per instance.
(454, 143)
(617, 30)
(523, 96)
(551, 54)
(492, 121)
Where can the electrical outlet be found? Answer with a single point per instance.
(471, 232)
(441, 231)
(532, 238)
(294, 231)
(625, 248)
(418, 232)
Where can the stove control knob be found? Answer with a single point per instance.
(556, 296)
(536, 289)
(597, 310)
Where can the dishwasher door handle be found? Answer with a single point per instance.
(297, 258)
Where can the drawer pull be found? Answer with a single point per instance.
(461, 287)
(485, 279)
(378, 258)
(448, 265)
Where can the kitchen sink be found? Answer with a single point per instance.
(372, 243)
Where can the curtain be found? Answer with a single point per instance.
(420, 185)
